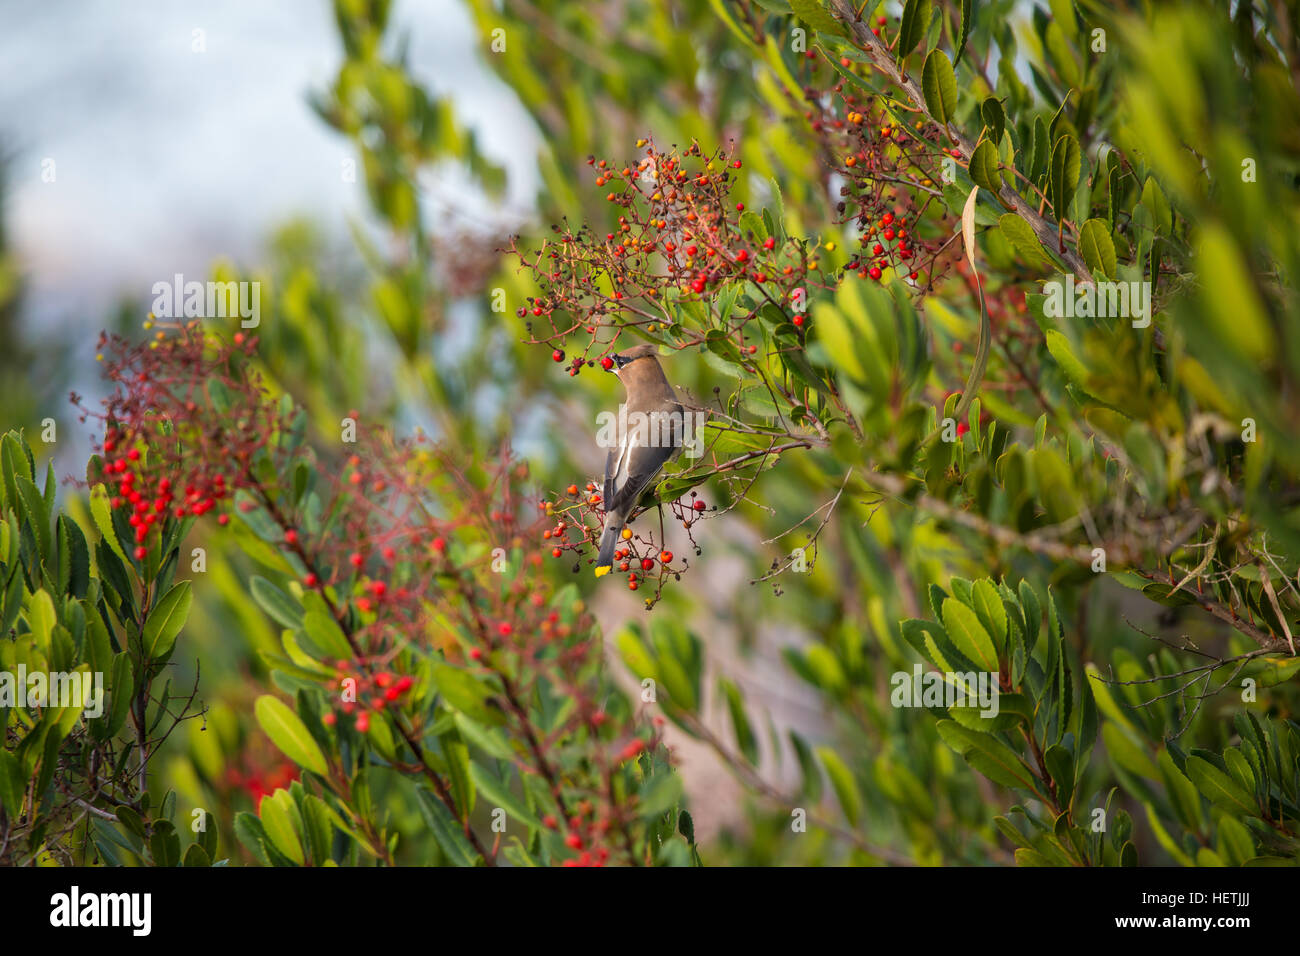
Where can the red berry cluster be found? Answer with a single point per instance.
(363, 689)
(180, 433)
(893, 183)
(259, 782)
(679, 237)
(422, 554)
(577, 523)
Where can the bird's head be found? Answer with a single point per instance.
(623, 359)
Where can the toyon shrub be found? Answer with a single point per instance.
(988, 318)
(420, 644)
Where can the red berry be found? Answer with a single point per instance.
(666, 557)
(141, 553)
(557, 355)
(291, 537)
(769, 243)
(699, 505)
(647, 564)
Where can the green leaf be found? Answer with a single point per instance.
(1182, 793)
(447, 830)
(968, 635)
(1097, 248)
(1064, 174)
(41, 618)
(988, 606)
(659, 794)
(1125, 753)
(37, 515)
(166, 620)
(283, 825)
(12, 784)
(984, 167)
(1060, 765)
(846, 788)
(745, 738)
(283, 609)
(967, 8)
(987, 754)
(289, 733)
(916, 21)
(1022, 238)
(466, 694)
(164, 844)
(1059, 347)
(498, 794)
(940, 87)
(995, 119)
(816, 16)
(1221, 789)
(196, 856)
(324, 634)
(102, 513)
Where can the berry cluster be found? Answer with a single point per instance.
(162, 457)
(891, 182)
(576, 520)
(412, 553)
(366, 688)
(679, 238)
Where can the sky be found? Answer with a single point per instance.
(141, 148)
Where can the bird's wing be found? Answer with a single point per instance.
(611, 467)
(640, 464)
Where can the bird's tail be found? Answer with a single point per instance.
(608, 540)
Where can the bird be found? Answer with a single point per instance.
(651, 433)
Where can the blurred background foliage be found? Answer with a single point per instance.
(1137, 428)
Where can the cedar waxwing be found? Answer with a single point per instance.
(650, 433)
